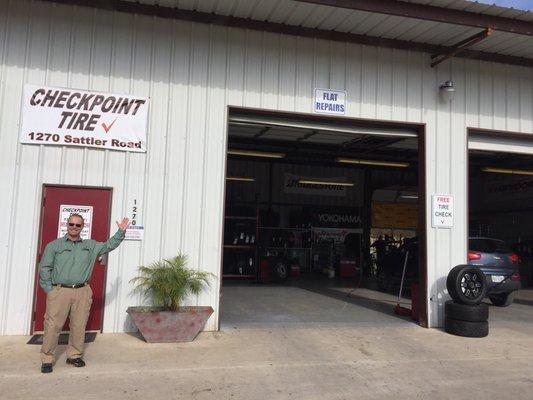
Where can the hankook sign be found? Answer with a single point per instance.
(60, 116)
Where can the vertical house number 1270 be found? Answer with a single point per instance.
(134, 213)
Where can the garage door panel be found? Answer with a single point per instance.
(486, 142)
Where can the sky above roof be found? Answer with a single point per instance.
(517, 4)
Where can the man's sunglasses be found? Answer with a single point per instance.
(73, 224)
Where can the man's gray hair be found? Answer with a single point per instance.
(76, 215)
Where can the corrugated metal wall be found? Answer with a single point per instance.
(192, 72)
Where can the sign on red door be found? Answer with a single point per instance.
(94, 204)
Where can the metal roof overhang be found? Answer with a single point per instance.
(433, 13)
(339, 20)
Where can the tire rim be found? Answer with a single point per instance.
(282, 270)
(471, 285)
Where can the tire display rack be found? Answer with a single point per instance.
(245, 242)
(254, 233)
(240, 247)
(286, 243)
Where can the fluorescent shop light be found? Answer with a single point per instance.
(308, 182)
(409, 196)
(507, 171)
(255, 153)
(240, 178)
(372, 162)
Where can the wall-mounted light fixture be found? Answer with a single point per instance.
(240, 178)
(508, 171)
(313, 182)
(249, 153)
(447, 91)
(372, 162)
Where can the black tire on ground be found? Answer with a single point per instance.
(466, 284)
(466, 328)
(502, 300)
(280, 271)
(463, 312)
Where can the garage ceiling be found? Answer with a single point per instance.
(492, 159)
(313, 146)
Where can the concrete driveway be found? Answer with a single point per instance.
(519, 314)
(399, 361)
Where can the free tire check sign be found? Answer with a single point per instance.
(60, 116)
(442, 211)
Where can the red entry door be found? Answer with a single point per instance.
(56, 198)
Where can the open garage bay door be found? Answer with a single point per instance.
(500, 208)
(321, 211)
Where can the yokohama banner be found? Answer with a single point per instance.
(60, 116)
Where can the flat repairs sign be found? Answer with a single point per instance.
(442, 211)
(329, 101)
(72, 117)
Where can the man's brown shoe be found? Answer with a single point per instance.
(46, 368)
(77, 362)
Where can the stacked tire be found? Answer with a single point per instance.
(466, 314)
(280, 270)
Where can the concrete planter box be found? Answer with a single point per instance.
(158, 326)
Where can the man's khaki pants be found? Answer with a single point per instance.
(60, 302)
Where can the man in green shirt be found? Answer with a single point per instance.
(65, 270)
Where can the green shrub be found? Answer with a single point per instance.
(169, 282)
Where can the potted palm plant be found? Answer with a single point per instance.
(167, 283)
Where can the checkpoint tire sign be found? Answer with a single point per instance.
(73, 117)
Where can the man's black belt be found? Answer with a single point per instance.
(79, 285)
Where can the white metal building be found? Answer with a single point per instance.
(194, 60)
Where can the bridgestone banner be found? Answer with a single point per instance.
(293, 185)
(60, 116)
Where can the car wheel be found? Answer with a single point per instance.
(502, 300)
(466, 284)
(466, 328)
(463, 312)
(280, 271)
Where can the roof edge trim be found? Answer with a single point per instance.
(272, 27)
(432, 13)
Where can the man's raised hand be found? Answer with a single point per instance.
(123, 225)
